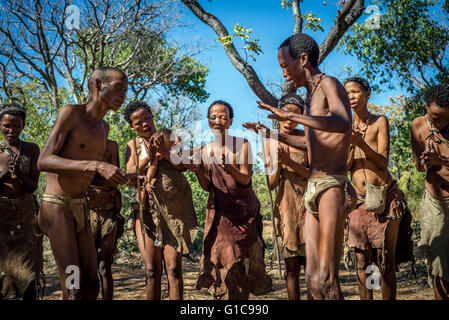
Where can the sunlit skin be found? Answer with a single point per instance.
(11, 127)
(71, 157)
(293, 264)
(142, 123)
(434, 159)
(105, 246)
(371, 154)
(327, 123)
(219, 122)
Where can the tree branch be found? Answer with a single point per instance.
(346, 16)
(297, 16)
(244, 68)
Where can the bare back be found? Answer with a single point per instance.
(74, 136)
(328, 151)
(437, 177)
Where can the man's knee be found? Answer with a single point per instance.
(174, 271)
(361, 263)
(152, 272)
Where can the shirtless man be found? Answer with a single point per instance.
(329, 196)
(106, 222)
(430, 145)
(71, 156)
(372, 232)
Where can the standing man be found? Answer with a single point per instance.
(329, 196)
(71, 156)
(106, 222)
(373, 227)
(430, 145)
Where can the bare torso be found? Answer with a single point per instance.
(85, 141)
(328, 151)
(101, 193)
(362, 166)
(437, 178)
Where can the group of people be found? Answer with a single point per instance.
(317, 208)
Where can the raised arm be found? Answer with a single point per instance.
(30, 181)
(379, 157)
(337, 121)
(284, 157)
(295, 141)
(242, 174)
(130, 165)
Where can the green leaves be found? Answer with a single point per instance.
(251, 46)
(410, 45)
(312, 21)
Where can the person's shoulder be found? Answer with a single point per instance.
(380, 119)
(419, 122)
(72, 111)
(330, 81)
(332, 84)
(30, 147)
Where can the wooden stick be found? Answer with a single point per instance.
(264, 158)
(139, 196)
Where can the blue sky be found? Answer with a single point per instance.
(271, 25)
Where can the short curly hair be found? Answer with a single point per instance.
(292, 98)
(438, 94)
(224, 103)
(135, 106)
(302, 43)
(361, 81)
(13, 109)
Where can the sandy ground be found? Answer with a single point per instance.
(129, 280)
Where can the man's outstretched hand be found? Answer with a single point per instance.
(255, 127)
(277, 113)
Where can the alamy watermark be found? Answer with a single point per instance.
(373, 281)
(72, 17)
(373, 21)
(73, 280)
(206, 146)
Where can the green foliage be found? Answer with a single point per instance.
(190, 83)
(261, 189)
(200, 203)
(410, 44)
(160, 65)
(251, 46)
(312, 22)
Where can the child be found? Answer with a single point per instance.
(169, 202)
(290, 174)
